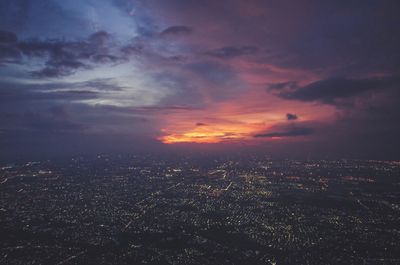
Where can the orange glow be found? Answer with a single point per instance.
(193, 138)
(208, 134)
(241, 116)
(236, 120)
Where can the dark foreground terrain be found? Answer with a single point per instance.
(147, 210)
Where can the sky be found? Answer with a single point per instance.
(304, 78)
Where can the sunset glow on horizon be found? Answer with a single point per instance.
(241, 118)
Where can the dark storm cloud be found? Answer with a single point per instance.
(336, 91)
(329, 90)
(232, 51)
(291, 117)
(288, 132)
(343, 36)
(177, 31)
(60, 49)
(58, 69)
(61, 57)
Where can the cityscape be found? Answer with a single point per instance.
(199, 132)
(149, 210)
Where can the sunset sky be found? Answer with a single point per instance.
(305, 77)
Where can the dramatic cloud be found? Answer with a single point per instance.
(310, 76)
(63, 58)
(57, 69)
(335, 90)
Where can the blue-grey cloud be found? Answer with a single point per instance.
(61, 57)
(291, 117)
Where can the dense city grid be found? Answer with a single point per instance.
(247, 210)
